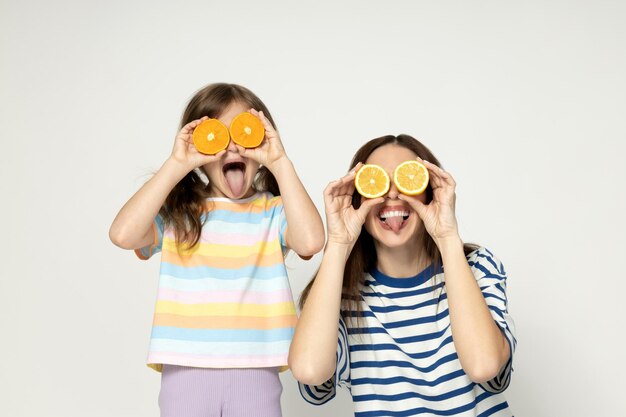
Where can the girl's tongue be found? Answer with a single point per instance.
(234, 174)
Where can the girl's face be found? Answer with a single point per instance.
(232, 175)
(393, 223)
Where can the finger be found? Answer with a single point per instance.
(266, 123)
(442, 179)
(331, 188)
(346, 189)
(356, 167)
(242, 151)
(347, 184)
(448, 178)
(332, 193)
(352, 173)
(434, 180)
(416, 204)
(257, 154)
(437, 171)
(188, 128)
(367, 205)
(344, 186)
(349, 177)
(212, 158)
(434, 173)
(192, 125)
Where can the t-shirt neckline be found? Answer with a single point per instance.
(241, 200)
(408, 282)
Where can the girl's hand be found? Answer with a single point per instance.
(185, 151)
(344, 223)
(271, 149)
(438, 216)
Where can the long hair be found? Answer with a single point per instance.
(185, 204)
(363, 257)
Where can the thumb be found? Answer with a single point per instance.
(418, 206)
(245, 152)
(367, 205)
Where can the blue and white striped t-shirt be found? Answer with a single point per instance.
(402, 361)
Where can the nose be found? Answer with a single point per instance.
(231, 147)
(393, 192)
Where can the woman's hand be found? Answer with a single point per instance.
(344, 223)
(271, 150)
(438, 216)
(185, 152)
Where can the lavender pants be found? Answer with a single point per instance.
(207, 392)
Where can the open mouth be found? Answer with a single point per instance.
(234, 173)
(393, 218)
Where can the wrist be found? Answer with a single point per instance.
(280, 166)
(340, 248)
(175, 168)
(449, 243)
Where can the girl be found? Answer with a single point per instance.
(224, 314)
(411, 340)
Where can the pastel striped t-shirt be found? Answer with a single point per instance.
(401, 361)
(226, 302)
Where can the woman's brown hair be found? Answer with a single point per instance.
(363, 257)
(186, 202)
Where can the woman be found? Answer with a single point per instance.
(411, 340)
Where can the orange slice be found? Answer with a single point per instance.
(371, 181)
(210, 137)
(411, 177)
(247, 130)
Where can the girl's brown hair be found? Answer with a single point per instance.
(363, 257)
(186, 202)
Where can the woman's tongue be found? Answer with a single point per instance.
(235, 180)
(394, 222)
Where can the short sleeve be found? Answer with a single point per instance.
(280, 219)
(491, 278)
(155, 247)
(321, 394)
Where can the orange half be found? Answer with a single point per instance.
(411, 177)
(210, 137)
(371, 181)
(247, 130)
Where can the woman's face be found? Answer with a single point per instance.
(232, 175)
(393, 223)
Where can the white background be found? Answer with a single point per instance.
(523, 102)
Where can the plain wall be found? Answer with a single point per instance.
(523, 102)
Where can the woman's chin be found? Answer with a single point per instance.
(386, 236)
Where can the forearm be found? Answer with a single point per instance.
(314, 346)
(132, 227)
(305, 231)
(480, 345)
